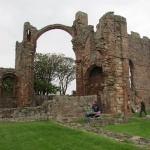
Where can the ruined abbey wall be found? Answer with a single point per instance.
(110, 63)
(139, 56)
(60, 108)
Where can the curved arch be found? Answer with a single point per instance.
(88, 71)
(52, 27)
(11, 74)
(94, 78)
(9, 90)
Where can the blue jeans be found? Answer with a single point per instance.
(88, 116)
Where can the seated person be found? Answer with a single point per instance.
(96, 109)
(89, 112)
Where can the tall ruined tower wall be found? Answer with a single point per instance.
(107, 60)
(139, 55)
(102, 61)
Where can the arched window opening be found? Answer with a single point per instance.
(96, 78)
(94, 84)
(8, 86)
(28, 35)
(9, 91)
(131, 72)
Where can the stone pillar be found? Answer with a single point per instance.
(122, 66)
(105, 45)
(24, 65)
(80, 34)
(79, 78)
(126, 87)
(111, 39)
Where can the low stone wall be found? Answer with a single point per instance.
(23, 115)
(39, 99)
(60, 108)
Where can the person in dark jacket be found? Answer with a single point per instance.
(96, 109)
(142, 108)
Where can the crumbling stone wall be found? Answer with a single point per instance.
(139, 55)
(60, 108)
(103, 60)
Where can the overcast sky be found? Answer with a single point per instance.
(40, 13)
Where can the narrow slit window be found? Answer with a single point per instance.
(28, 35)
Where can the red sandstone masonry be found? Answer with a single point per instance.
(103, 59)
(60, 108)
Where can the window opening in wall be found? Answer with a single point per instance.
(7, 86)
(131, 74)
(96, 78)
(28, 35)
(28, 32)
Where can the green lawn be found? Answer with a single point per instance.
(46, 135)
(138, 127)
(143, 115)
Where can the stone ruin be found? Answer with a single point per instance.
(110, 63)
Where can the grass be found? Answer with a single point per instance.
(137, 127)
(143, 115)
(47, 135)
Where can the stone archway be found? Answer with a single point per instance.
(95, 81)
(25, 50)
(10, 91)
(25, 63)
(56, 44)
(51, 31)
(53, 27)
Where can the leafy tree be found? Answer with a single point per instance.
(65, 74)
(50, 68)
(7, 86)
(45, 66)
